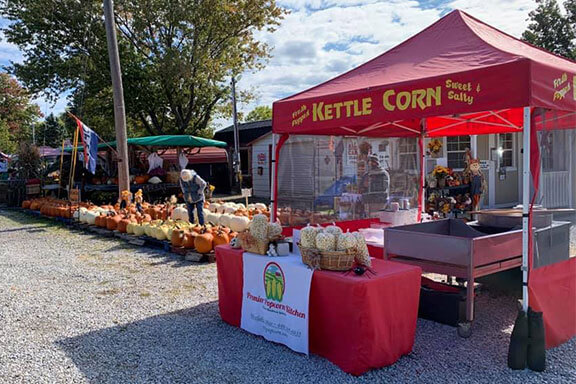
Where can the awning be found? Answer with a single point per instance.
(185, 141)
(461, 75)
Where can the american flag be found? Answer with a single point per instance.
(90, 143)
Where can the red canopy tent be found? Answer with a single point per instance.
(459, 76)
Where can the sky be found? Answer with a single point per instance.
(321, 39)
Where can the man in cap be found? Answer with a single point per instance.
(193, 186)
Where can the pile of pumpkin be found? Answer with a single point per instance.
(52, 207)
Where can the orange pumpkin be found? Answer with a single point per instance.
(221, 238)
(35, 205)
(123, 224)
(177, 238)
(112, 222)
(232, 235)
(26, 204)
(204, 243)
(189, 239)
(141, 179)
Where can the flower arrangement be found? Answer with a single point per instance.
(434, 146)
(440, 172)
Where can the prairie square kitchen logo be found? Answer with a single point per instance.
(274, 282)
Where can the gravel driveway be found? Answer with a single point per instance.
(78, 308)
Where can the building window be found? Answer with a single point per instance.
(456, 151)
(506, 149)
(408, 154)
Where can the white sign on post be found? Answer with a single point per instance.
(275, 299)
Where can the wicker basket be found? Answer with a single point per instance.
(328, 260)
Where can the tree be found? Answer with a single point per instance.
(17, 113)
(177, 55)
(262, 112)
(51, 132)
(551, 29)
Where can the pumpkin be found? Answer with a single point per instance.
(225, 220)
(220, 238)
(143, 179)
(112, 222)
(177, 237)
(261, 207)
(34, 205)
(180, 213)
(232, 235)
(91, 217)
(188, 241)
(239, 223)
(26, 204)
(138, 230)
(123, 225)
(213, 207)
(204, 243)
(130, 228)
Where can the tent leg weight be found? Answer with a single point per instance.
(518, 349)
(537, 342)
(465, 330)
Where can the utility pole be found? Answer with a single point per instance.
(119, 111)
(236, 163)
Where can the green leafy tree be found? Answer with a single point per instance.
(17, 113)
(550, 29)
(51, 132)
(177, 56)
(262, 112)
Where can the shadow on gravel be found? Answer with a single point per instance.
(38, 228)
(195, 346)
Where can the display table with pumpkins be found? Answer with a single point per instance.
(360, 318)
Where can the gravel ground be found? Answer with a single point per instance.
(78, 308)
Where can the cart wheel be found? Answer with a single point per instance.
(465, 330)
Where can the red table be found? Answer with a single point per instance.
(358, 323)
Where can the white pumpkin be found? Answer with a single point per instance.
(225, 220)
(261, 206)
(91, 217)
(240, 206)
(239, 223)
(251, 206)
(213, 218)
(155, 180)
(326, 241)
(180, 213)
(138, 230)
(229, 210)
(213, 207)
(308, 237)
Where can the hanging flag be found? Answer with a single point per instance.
(90, 144)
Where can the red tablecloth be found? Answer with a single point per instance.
(358, 323)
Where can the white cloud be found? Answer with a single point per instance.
(346, 33)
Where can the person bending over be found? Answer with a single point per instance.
(193, 186)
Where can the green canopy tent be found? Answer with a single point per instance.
(174, 141)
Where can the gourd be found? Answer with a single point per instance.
(345, 242)
(204, 243)
(180, 213)
(308, 237)
(239, 223)
(259, 227)
(333, 229)
(326, 241)
(362, 254)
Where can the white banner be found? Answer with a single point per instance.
(275, 299)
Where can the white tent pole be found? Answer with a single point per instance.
(525, 207)
(273, 180)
